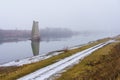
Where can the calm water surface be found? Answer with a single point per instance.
(23, 49)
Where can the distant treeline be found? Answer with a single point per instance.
(44, 33)
(56, 33)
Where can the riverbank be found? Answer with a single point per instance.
(103, 64)
(14, 72)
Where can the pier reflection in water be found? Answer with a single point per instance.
(35, 47)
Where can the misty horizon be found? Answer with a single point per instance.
(103, 15)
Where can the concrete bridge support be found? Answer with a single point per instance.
(35, 35)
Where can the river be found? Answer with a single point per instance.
(10, 51)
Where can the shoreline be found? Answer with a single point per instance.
(37, 58)
(50, 60)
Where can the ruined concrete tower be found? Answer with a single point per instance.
(35, 35)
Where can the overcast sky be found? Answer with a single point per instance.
(73, 14)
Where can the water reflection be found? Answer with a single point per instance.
(35, 47)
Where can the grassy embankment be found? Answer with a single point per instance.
(103, 64)
(14, 72)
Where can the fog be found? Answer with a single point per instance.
(73, 14)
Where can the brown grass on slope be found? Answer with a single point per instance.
(103, 64)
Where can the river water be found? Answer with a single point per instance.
(10, 51)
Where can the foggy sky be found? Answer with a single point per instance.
(73, 14)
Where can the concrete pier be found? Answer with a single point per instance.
(35, 34)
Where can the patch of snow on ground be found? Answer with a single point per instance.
(46, 72)
(28, 60)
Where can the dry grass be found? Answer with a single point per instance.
(103, 64)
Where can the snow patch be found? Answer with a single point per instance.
(29, 60)
(47, 72)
